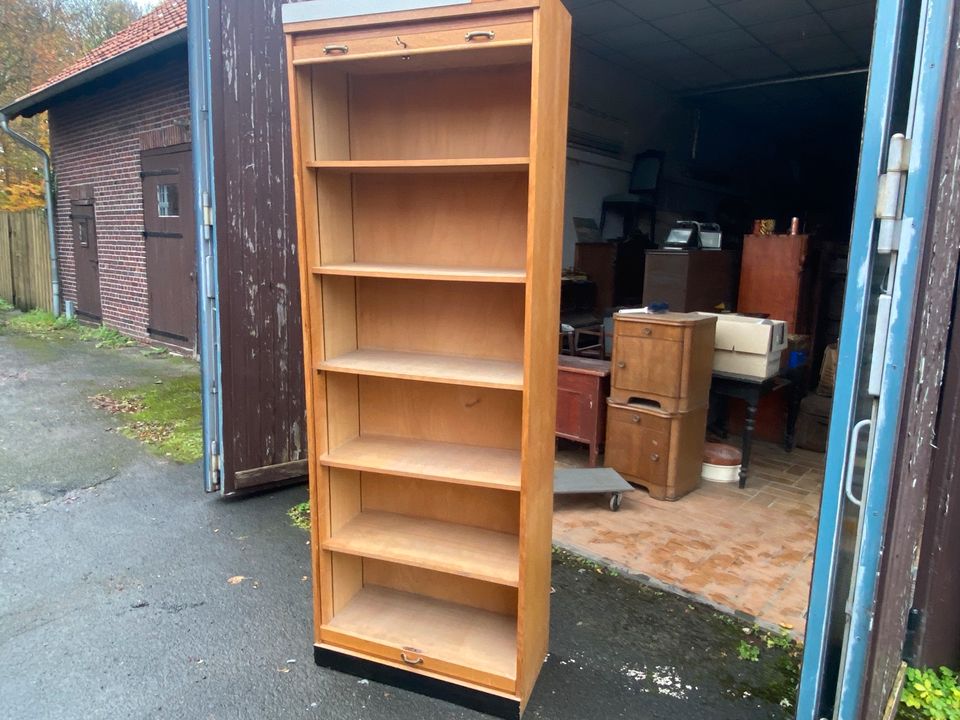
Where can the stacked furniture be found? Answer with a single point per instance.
(660, 390)
(429, 154)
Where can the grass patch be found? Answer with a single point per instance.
(164, 415)
(300, 515)
(104, 337)
(42, 324)
(5, 306)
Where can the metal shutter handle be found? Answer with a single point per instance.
(335, 49)
(474, 34)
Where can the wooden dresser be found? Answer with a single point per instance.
(660, 389)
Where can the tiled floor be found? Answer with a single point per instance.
(749, 550)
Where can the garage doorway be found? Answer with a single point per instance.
(168, 222)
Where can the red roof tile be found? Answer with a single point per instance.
(169, 17)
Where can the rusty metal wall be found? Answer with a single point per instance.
(261, 344)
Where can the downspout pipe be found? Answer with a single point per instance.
(48, 197)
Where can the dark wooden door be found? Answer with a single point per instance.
(168, 224)
(261, 352)
(85, 256)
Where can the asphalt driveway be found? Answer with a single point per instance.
(116, 599)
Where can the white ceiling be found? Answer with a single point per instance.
(686, 45)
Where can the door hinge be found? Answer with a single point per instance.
(207, 212)
(215, 466)
(911, 640)
(890, 191)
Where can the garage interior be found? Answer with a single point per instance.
(733, 113)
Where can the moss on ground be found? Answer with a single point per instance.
(300, 515)
(165, 415)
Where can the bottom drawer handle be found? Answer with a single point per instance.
(411, 660)
(655, 457)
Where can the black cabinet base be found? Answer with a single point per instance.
(389, 675)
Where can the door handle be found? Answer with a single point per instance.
(851, 460)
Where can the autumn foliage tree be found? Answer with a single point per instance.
(38, 38)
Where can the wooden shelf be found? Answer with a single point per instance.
(423, 272)
(444, 631)
(430, 207)
(425, 367)
(448, 462)
(445, 547)
(443, 165)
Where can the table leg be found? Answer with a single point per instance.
(749, 424)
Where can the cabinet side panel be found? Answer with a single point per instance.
(551, 64)
(301, 113)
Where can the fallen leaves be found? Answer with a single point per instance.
(114, 406)
(151, 432)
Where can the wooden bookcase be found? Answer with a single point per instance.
(429, 151)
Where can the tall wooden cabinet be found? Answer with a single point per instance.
(429, 154)
(774, 279)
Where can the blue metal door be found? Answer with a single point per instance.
(903, 99)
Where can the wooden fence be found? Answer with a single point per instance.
(25, 260)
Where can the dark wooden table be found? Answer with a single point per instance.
(750, 390)
(583, 385)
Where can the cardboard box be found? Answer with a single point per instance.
(748, 345)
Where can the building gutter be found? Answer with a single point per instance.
(48, 198)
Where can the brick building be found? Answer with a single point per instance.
(120, 143)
